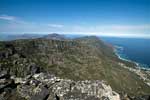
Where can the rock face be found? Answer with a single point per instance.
(45, 86)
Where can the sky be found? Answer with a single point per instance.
(118, 18)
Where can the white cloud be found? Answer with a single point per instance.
(110, 28)
(124, 27)
(18, 25)
(55, 25)
(12, 19)
(125, 35)
(8, 18)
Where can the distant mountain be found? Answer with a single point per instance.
(55, 36)
(85, 58)
(9, 37)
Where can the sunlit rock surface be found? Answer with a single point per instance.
(42, 85)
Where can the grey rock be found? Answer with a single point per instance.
(4, 74)
(44, 85)
(42, 93)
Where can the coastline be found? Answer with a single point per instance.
(143, 73)
(138, 65)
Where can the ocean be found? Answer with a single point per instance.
(137, 50)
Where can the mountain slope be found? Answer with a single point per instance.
(78, 59)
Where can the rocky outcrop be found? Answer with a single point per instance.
(68, 89)
(45, 86)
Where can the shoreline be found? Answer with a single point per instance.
(138, 65)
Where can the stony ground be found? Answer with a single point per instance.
(43, 86)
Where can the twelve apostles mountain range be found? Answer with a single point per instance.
(84, 59)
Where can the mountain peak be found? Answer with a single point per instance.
(55, 36)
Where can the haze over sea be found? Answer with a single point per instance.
(134, 49)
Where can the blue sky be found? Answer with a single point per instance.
(119, 18)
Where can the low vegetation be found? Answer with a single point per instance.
(78, 59)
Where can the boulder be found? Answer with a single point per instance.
(4, 74)
(41, 93)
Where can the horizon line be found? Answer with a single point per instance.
(142, 36)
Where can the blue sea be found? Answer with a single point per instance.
(137, 50)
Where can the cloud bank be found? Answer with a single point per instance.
(21, 26)
(55, 25)
(8, 18)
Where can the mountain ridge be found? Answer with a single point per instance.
(78, 59)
